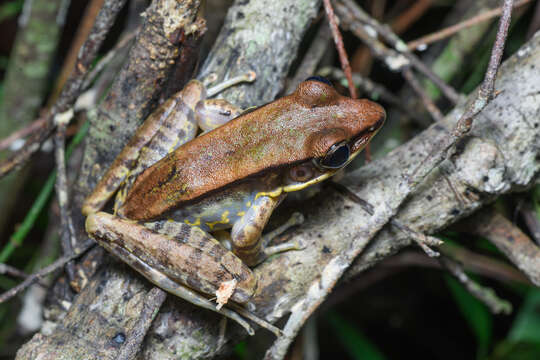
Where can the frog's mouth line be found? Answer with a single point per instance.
(360, 142)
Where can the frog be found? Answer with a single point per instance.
(176, 191)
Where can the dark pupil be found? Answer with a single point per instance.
(336, 158)
(320, 79)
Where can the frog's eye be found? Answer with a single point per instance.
(301, 173)
(319, 79)
(337, 156)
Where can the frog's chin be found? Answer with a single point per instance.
(328, 174)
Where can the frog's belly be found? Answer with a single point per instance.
(219, 211)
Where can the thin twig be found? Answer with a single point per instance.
(343, 58)
(19, 158)
(531, 220)
(352, 13)
(67, 231)
(104, 61)
(509, 239)
(39, 203)
(426, 100)
(479, 264)
(464, 124)
(338, 40)
(73, 87)
(83, 31)
(409, 16)
(25, 131)
(373, 90)
(6, 269)
(484, 265)
(451, 30)
(424, 241)
(391, 57)
(31, 279)
(153, 301)
(485, 295)
(312, 57)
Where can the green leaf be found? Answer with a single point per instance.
(240, 350)
(10, 9)
(357, 345)
(475, 313)
(526, 326)
(509, 350)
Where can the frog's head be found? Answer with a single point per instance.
(344, 127)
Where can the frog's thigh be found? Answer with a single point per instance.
(178, 127)
(124, 162)
(246, 232)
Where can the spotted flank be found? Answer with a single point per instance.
(218, 212)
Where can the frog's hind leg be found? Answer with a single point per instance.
(124, 162)
(177, 128)
(186, 259)
(178, 232)
(164, 282)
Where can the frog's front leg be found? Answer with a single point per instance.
(246, 235)
(185, 255)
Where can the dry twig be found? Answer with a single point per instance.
(510, 240)
(67, 231)
(451, 30)
(430, 106)
(83, 31)
(464, 124)
(6, 269)
(72, 89)
(19, 134)
(38, 276)
(485, 295)
(359, 21)
(343, 58)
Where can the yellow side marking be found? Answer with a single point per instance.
(224, 220)
(195, 223)
(272, 194)
(248, 204)
(241, 213)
